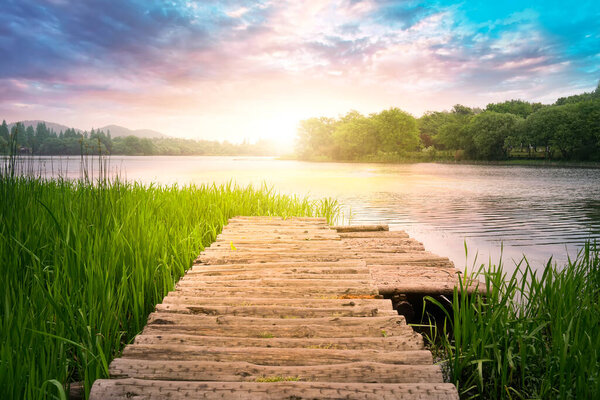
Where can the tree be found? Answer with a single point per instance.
(355, 136)
(453, 134)
(4, 132)
(587, 128)
(517, 107)
(315, 137)
(490, 131)
(430, 125)
(550, 129)
(397, 131)
(146, 147)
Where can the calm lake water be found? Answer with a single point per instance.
(536, 211)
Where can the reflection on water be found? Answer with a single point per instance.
(529, 210)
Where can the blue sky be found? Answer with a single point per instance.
(240, 69)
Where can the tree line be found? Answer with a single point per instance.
(44, 141)
(569, 129)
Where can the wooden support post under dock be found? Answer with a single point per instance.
(289, 309)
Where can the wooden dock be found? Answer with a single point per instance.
(289, 309)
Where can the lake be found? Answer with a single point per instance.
(536, 211)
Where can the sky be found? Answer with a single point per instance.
(235, 70)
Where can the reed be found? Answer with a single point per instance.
(531, 336)
(84, 263)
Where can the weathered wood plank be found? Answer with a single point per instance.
(160, 323)
(275, 311)
(363, 371)
(277, 292)
(330, 282)
(242, 301)
(409, 341)
(270, 218)
(343, 263)
(384, 234)
(274, 356)
(361, 228)
(141, 389)
(238, 273)
(338, 322)
(280, 275)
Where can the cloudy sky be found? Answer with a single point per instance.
(237, 69)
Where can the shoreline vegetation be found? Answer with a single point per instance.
(450, 161)
(514, 130)
(86, 261)
(43, 141)
(532, 336)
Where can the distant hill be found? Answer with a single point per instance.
(115, 130)
(51, 125)
(119, 131)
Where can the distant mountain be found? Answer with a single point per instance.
(50, 125)
(115, 130)
(119, 131)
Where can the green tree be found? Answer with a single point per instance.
(453, 134)
(547, 127)
(517, 107)
(147, 147)
(355, 136)
(397, 131)
(315, 138)
(430, 125)
(490, 131)
(4, 132)
(587, 128)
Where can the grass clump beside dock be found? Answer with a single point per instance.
(534, 335)
(83, 264)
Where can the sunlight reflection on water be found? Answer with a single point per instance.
(535, 211)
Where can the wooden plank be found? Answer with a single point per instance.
(409, 341)
(283, 231)
(160, 323)
(269, 219)
(364, 371)
(275, 311)
(406, 259)
(338, 322)
(341, 284)
(274, 356)
(270, 275)
(343, 263)
(284, 302)
(142, 389)
(361, 228)
(385, 234)
(266, 272)
(273, 246)
(250, 258)
(277, 237)
(260, 241)
(277, 292)
(360, 242)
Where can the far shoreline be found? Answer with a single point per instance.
(516, 162)
(513, 162)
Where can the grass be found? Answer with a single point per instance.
(84, 263)
(532, 336)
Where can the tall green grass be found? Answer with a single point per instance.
(83, 264)
(531, 336)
